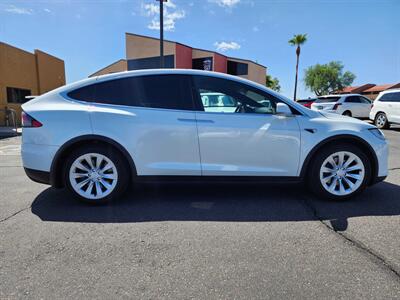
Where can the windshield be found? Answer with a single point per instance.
(327, 99)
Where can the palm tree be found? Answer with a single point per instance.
(272, 83)
(297, 40)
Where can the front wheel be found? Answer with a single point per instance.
(339, 172)
(381, 121)
(96, 174)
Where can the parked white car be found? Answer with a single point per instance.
(386, 109)
(352, 105)
(98, 135)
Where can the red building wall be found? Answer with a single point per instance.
(220, 63)
(183, 57)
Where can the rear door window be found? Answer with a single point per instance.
(327, 99)
(390, 97)
(353, 99)
(365, 100)
(153, 91)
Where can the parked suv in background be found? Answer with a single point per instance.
(352, 105)
(386, 109)
(98, 135)
(306, 102)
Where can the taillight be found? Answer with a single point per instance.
(28, 121)
(335, 107)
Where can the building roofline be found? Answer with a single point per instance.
(32, 53)
(117, 61)
(212, 51)
(8, 45)
(248, 60)
(382, 87)
(153, 38)
(52, 56)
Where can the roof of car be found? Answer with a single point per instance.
(177, 71)
(164, 71)
(88, 81)
(339, 95)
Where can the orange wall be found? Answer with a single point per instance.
(183, 57)
(119, 66)
(22, 69)
(51, 71)
(142, 47)
(220, 63)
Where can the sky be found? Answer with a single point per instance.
(89, 35)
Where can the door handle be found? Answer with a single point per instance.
(194, 120)
(205, 121)
(186, 120)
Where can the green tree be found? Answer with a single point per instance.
(297, 40)
(272, 83)
(327, 78)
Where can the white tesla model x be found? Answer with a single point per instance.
(98, 135)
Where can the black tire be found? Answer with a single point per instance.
(378, 121)
(115, 157)
(347, 113)
(314, 181)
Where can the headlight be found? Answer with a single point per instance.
(376, 132)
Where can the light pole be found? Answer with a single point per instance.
(162, 32)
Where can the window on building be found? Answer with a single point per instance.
(151, 62)
(155, 91)
(237, 68)
(16, 95)
(205, 63)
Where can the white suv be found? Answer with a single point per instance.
(98, 135)
(352, 105)
(386, 109)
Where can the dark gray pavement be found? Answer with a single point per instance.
(198, 241)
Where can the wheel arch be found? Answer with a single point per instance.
(345, 138)
(381, 112)
(349, 111)
(56, 168)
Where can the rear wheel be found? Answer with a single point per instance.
(347, 113)
(96, 174)
(339, 172)
(381, 121)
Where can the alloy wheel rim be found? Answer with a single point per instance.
(381, 120)
(342, 173)
(93, 176)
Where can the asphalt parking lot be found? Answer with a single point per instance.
(198, 241)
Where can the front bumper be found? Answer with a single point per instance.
(38, 176)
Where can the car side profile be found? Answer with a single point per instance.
(99, 135)
(351, 105)
(386, 109)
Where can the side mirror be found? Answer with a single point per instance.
(283, 109)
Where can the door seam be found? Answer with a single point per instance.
(198, 144)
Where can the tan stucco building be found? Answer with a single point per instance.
(143, 52)
(23, 74)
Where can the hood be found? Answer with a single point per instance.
(345, 119)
